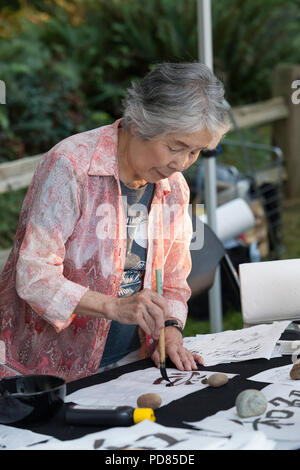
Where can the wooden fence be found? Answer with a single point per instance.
(18, 174)
(280, 111)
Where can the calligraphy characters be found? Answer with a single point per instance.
(283, 414)
(181, 378)
(147, 442)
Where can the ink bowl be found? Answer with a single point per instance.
(30, 398)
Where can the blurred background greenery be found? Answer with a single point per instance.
(67, 64)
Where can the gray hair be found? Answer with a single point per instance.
(178, 97)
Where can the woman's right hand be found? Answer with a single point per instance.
(146, 308)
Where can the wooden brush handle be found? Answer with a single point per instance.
(162, 349)
(161, 341)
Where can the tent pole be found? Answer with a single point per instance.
(205, 53)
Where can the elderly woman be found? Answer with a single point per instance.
(105, 209)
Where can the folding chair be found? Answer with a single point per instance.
(261, 298)
(204, 264)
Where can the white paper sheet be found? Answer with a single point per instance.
(277, 375)
(148, 435)
(286, 445)
(13, 438)
(126, 389)
(280, 421)
(277, 352)
(237, 345)
(288, 347)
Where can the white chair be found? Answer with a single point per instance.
(270, 291)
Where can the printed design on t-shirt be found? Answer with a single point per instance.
(137, 226)
(131, 281)
(136, 206)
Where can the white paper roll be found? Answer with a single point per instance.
(270, 291)
(233, 218)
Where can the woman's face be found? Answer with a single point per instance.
(153, 160)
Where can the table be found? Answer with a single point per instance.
(193, 407)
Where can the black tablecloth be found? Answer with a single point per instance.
(193, 407)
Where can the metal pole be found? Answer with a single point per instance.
(205, 52)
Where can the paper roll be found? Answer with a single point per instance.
(270, 291)
(233, 219)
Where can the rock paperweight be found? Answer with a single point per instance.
(295, 371)
(149, 400)
(217, 380)
(250, 402)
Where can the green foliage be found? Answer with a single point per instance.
(291, 233)
(45, 98)
(67, 63)
(250, 38)
(10, 207)
(231, 321)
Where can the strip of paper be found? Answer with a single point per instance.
(126, 389)
(237, 345)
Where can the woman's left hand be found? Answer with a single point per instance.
(181, 357)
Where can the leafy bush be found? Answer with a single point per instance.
(67, 63)
(46, 101)
(10, 207)
(250, 38)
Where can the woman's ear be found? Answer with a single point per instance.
(132, 131)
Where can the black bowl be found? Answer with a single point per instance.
(30, 398)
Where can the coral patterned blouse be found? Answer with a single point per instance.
(71, 237)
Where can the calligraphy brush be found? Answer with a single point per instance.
(161, 341)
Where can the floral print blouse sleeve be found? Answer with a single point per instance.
(178, 258)
(51, 218)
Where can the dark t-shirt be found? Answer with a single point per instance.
(123, 339)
